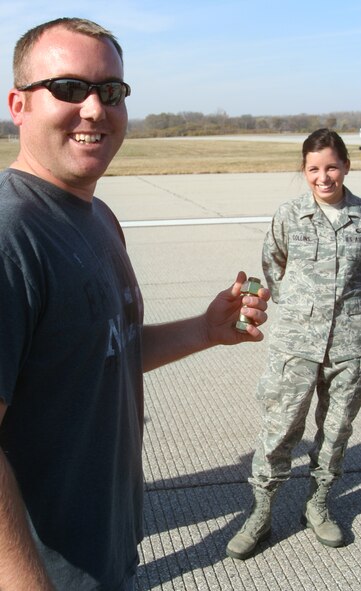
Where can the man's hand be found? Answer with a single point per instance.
(224, 311)
(165, 343)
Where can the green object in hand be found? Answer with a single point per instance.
(249, 287)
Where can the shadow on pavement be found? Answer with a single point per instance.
(215, 510)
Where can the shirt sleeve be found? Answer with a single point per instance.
(18, 316)
(274, 254)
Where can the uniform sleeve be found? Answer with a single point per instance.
(274, 254)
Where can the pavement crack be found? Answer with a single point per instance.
(180, 197)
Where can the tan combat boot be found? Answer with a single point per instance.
(317, 518)
(255, 529)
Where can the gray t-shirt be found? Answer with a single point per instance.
(71, 371)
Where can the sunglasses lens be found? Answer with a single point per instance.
(111, 93)
(70, 91)
(75, 91)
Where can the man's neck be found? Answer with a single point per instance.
(84, 193)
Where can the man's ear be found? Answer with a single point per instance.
(16, 103)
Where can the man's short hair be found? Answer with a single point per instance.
(26, 43)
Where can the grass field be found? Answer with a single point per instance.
(148, 156)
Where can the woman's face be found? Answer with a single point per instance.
(325, 173)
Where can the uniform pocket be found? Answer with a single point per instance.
(303, 247)
(352, 306)
(353, 251)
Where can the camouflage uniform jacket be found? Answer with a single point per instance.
(313, 270)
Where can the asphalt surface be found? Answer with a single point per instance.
(202, 415)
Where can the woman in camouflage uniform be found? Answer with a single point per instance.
(312, 264)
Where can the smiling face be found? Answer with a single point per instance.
(325, 173)
(69, 145)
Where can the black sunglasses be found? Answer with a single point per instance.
(73, 90)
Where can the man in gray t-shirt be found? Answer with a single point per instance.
(72, 342)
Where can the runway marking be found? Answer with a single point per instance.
(195, 222)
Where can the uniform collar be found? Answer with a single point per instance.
(351, 207)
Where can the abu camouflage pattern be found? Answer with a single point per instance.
(285, 392)
(313, 270)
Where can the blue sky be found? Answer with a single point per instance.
(261, 57)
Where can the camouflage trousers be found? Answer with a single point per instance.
(285, 393)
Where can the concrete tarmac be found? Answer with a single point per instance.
(201, 413)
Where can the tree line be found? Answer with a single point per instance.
(8, 129)
(194, 123)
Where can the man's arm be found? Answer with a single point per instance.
(20, 565)
(165, 343)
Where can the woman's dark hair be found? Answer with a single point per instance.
(321, 139)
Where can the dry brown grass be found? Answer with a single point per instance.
(202, 156)
(180, 156)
